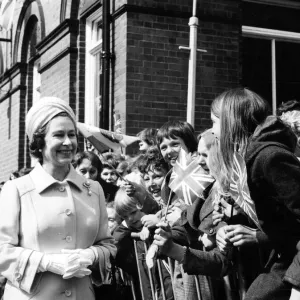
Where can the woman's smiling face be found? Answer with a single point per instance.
(170, 149)
(60, 142)
(153, 180)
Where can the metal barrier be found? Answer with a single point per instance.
(159, 265)
(233, 287)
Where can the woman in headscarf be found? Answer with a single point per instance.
(54, 239)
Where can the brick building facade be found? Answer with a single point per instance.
(55, 50)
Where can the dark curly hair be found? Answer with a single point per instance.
(152, 160)
(38, 139)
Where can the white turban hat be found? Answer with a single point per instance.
(45, 110)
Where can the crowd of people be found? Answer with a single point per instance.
(76, 217)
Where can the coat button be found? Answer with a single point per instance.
(68, 212)
(68, 293)
(18, 276)
(211, 231)
(69, 239)
(61, 188)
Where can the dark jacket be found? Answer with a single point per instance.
(126, 259)
(196, 221)
(274, 183)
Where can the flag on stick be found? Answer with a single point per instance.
(188, 179)
(239, 189)
(103, 139)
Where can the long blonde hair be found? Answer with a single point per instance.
(240, 111)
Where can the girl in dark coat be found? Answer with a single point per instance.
(242, 122)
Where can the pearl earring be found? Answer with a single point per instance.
(40, 150)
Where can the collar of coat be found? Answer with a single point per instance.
(42, 180)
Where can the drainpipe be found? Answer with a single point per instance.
(105, 56)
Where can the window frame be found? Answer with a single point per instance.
(274, 36)
(93, 48)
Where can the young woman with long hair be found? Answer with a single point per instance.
(242, 122)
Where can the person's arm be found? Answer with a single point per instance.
(19, 265)
(125, 257)
(104, 245)
(194, 261)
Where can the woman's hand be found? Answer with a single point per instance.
(144, 234)
(240, 235)
(150, 220)
(136, 190)
(222, 241)
(208, 241)
(223, 211)
(163, 237)
(173, 215)
(217, 214)
(129, 188)
(78, 261)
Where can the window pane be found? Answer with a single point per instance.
(257, 66)
(288, 71)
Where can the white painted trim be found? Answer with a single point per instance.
(94, 16)
(97, 47)
(93, 47)
(269, 34)
(283, 3)
(274, 81)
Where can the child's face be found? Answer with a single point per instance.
(87, 170)
(170, 149)
(112, 220)
(153, 180)
(133, 217)
(143, 146)
(109, 175)
(216, 128)
(203, 155)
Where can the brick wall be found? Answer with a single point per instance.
(157, 71)
(9, 133)
(119, 48)
(149, 73)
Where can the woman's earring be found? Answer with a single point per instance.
(40, 150)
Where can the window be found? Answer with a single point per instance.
(271, 64)
(93, 69)
(271, 43)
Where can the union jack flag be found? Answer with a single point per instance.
(239, 189)
(188, 179)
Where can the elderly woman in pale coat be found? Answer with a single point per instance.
(54, 238)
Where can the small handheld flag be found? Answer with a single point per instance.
(239, 189)
(188, 179)
(103, 139)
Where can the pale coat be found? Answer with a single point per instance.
(38, 215)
